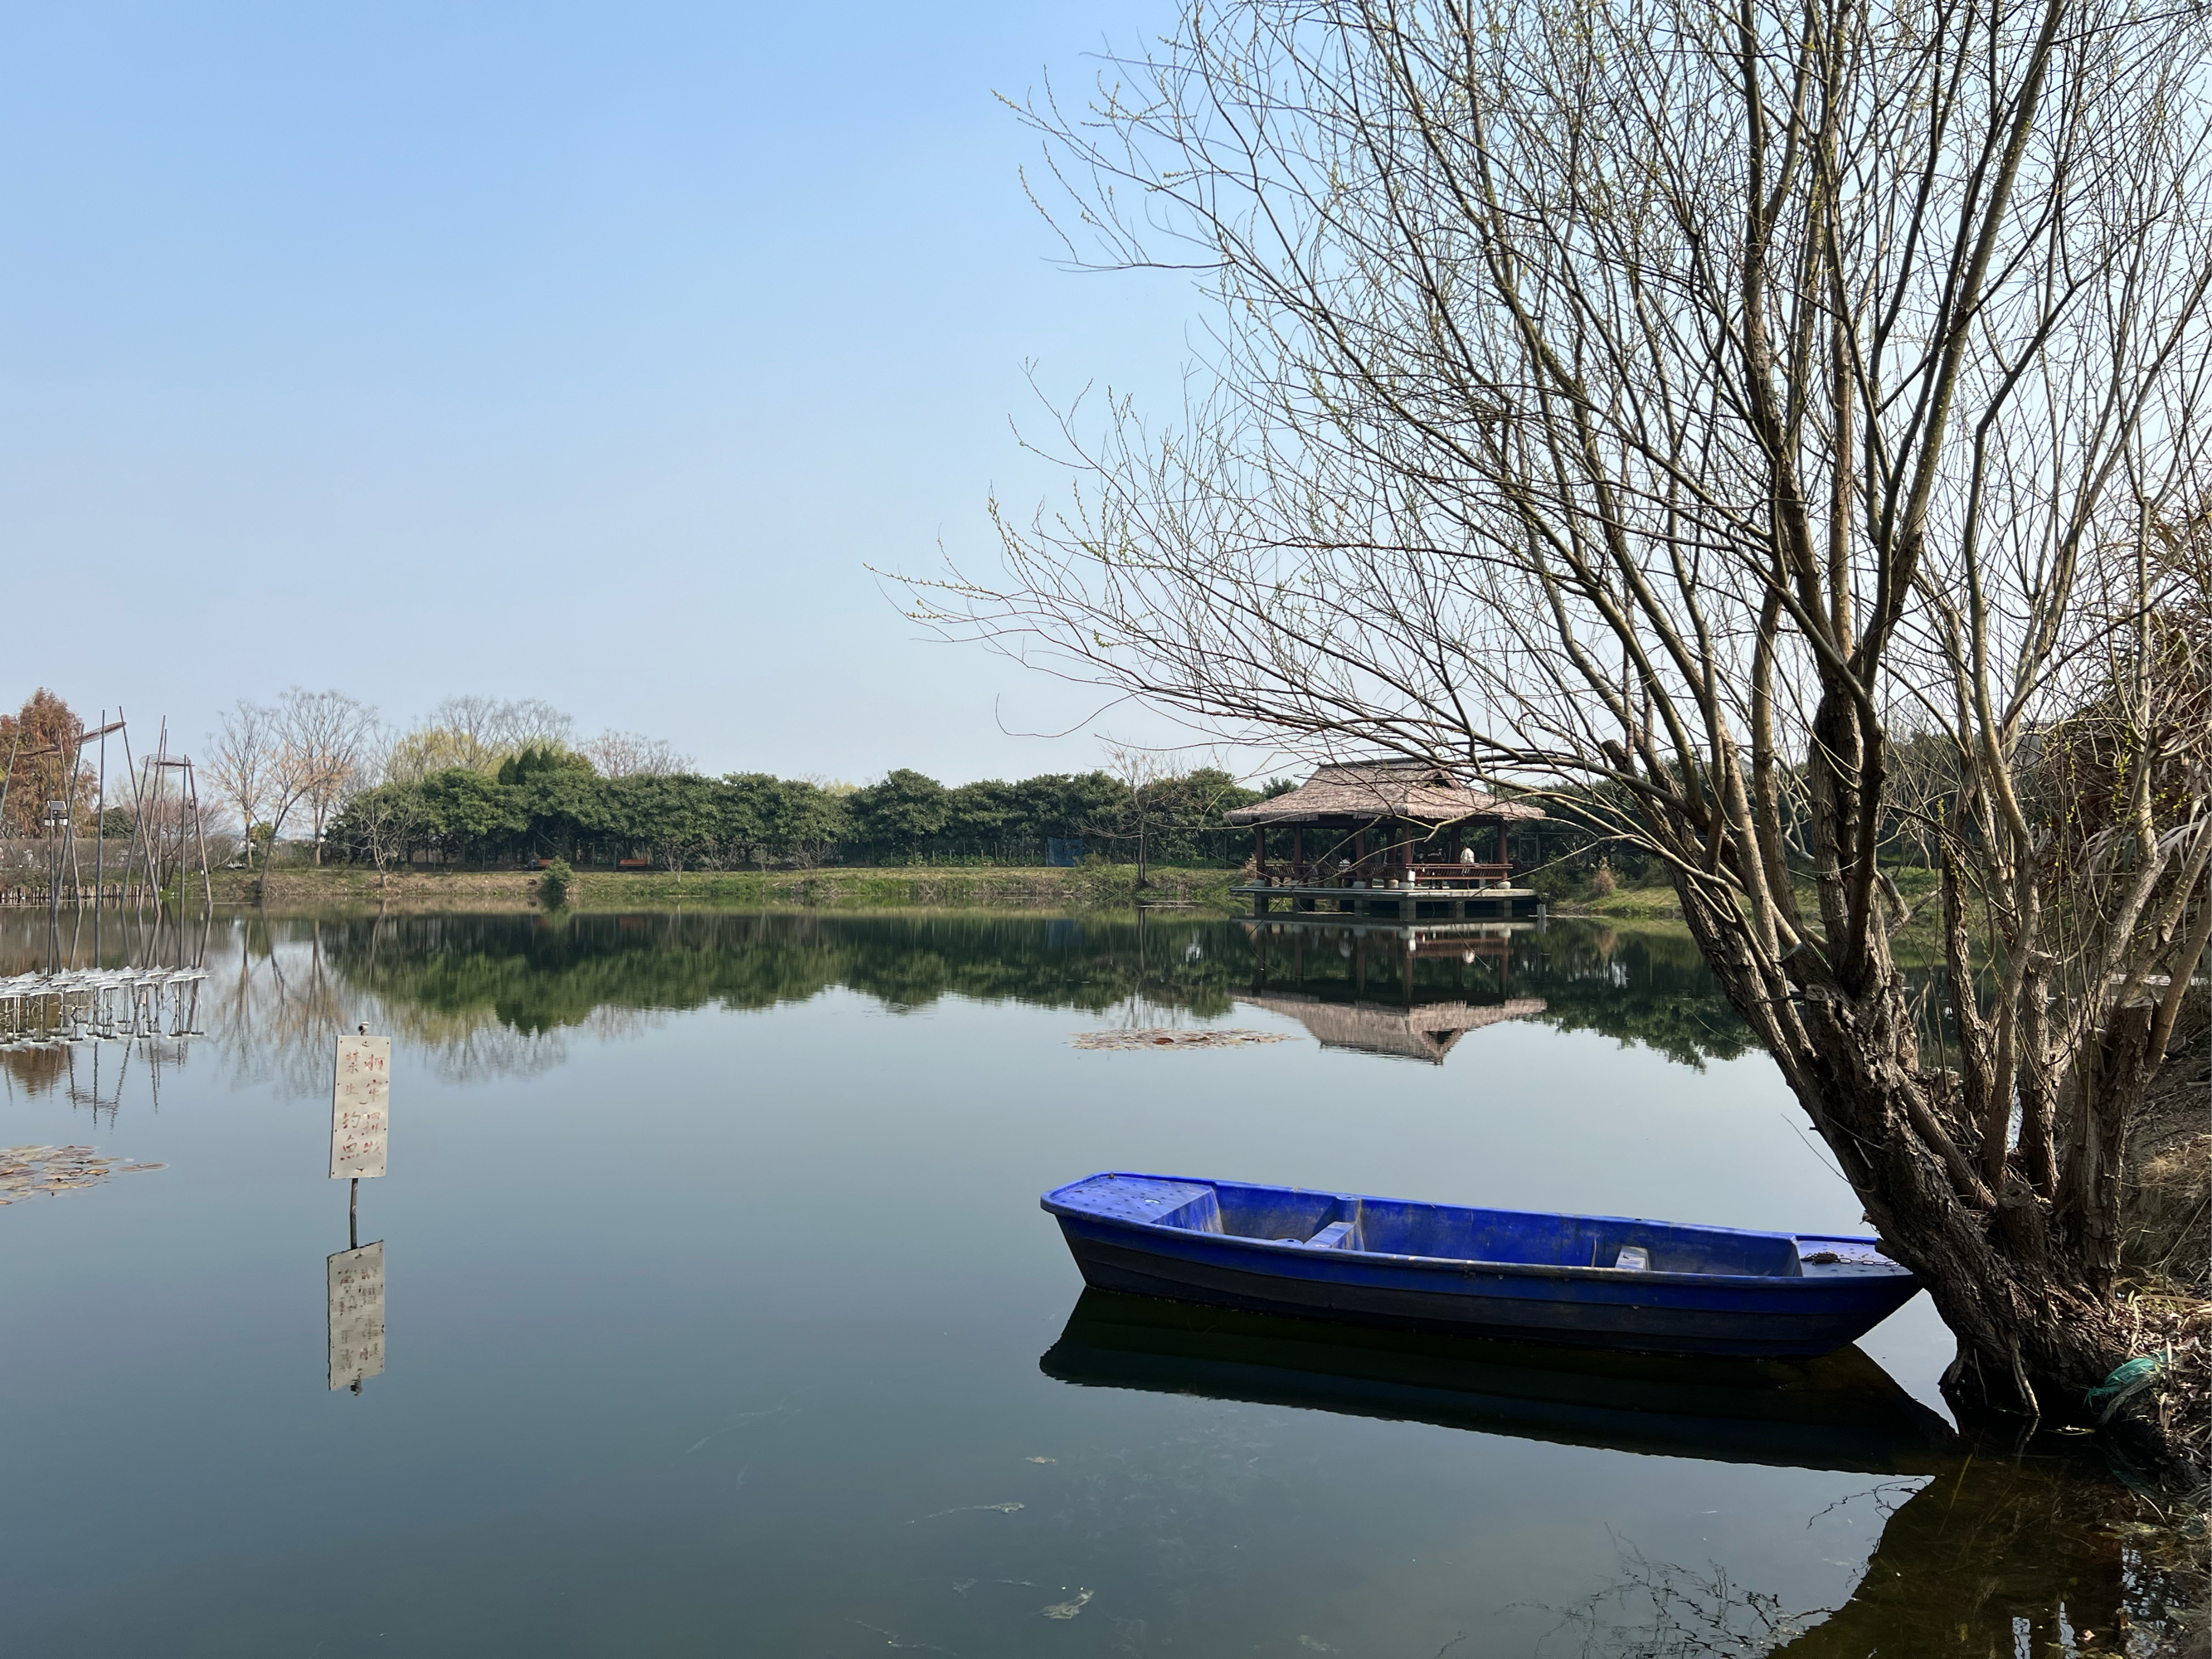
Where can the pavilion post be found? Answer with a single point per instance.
(1260, 850)
(1506, 870)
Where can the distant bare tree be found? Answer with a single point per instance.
(1669, 405)
(387, 820)
(476, 725)
(489, 729)
(322, 739)
(475, 734)
(632, 753)
(426, 751)
(168, 832)
(242, 762)
(1141, 772)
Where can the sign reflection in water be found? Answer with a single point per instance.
(356, 1279)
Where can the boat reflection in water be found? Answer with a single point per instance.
(1840, 1411)
(2005, 1549)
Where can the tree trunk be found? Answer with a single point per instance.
(2032, 1310)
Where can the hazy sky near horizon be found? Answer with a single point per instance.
(585, 353)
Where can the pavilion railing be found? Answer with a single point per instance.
(1448, 874)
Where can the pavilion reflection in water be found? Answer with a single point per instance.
(1402, 991)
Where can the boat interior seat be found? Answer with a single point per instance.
(1332, 1221)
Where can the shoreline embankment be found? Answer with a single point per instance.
(1088, 887)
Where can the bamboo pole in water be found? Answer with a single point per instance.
(100, 846)
(207, 881)
(137, 807)
(8, 778)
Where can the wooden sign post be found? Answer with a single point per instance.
(356, 1326)
(360, 1101)
(361, 1121)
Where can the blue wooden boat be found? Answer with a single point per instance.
(1835, 1411)
(1590, 1280)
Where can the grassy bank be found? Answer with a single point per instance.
(1623, 904)
(1657, 902)
(1088, 888)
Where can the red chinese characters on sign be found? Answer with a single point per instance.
(359, 1106)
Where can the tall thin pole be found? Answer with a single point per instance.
(8, 778)
(58, 856)
(68, 791)
(100, 842)
(161, 788)
(150, 808)
(157, 840)
(138, 811)
(199, 833)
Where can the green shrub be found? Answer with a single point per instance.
(555, 885)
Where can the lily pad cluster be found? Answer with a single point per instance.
(40, 1172)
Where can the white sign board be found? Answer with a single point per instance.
(360, 1099)
(356, 1287)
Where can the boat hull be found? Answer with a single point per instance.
(1806, 1313)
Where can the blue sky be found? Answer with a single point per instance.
(584, 353)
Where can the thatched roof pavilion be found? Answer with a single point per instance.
(1372, 792)
(1403, 806)
(1424, 1031)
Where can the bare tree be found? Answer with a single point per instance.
(242, 763)
(1141, 772)
(426, 751)
(632, 753)
(1671, 404)
(475, 733)
(322, 739)
(489, 729)
(387, 821)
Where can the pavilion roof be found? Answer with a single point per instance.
(1363, 792)
(1425, 1031)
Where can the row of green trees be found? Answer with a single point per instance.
(541, 804)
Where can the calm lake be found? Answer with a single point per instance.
(720, 1316)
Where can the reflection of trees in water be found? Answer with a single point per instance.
(474, 1047)
(456, 978)
(274, 1002)
(542, 974)
(289, 990)
(35, 1071)
(496, 995)
(94, 1075)
(1645, 985)
(485, 996)
(1997, 1557)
